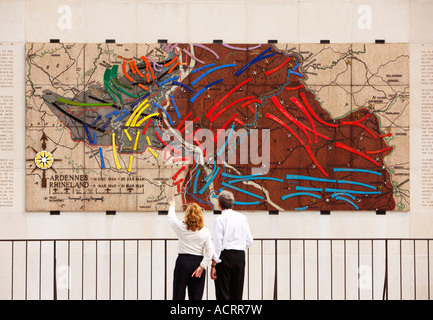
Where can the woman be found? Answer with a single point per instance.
(195, 251)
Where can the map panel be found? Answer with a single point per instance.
(287, 127)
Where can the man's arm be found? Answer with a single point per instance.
(217, 240)
(249, 238)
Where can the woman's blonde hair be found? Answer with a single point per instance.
(194, 217)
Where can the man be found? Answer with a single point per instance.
(231, 237)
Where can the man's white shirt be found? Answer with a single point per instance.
(230, 232)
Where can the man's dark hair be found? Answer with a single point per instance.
(226, 199)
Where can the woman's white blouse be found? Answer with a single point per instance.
(197, 243)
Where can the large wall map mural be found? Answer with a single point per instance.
(286, 127)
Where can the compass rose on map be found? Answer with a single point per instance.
(44, 159)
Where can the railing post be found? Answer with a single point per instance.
(54, 271)
(276, 272)
(165, 269)
(12, 269)
(385, 284)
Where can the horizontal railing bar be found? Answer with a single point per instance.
(258, 239)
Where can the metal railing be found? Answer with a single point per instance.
(298, 269)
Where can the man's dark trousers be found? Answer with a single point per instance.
(230, 272)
